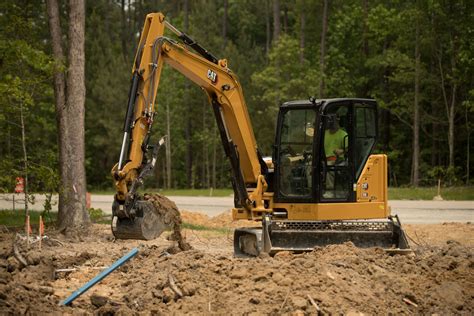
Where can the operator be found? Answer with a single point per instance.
(335, 144)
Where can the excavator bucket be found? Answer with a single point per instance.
(153, 214)
(300, 236)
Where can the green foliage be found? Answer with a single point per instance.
(453, 193)
(25, 85)
(16, 218)
(285, 78)
(368, 54)
(96, 214)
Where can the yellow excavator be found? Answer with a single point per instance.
(321, 186)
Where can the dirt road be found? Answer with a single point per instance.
(415, 212)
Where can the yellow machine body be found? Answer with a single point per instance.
(372, 200)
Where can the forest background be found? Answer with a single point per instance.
(414, 57)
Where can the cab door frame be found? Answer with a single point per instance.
(321, 161)
(278, 197)
(353, 164)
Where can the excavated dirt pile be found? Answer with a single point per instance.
(339, 279)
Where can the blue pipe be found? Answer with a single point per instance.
(99, 277)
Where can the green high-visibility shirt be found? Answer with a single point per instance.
(335, 141)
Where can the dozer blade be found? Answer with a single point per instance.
(153, 215)
(300, 236)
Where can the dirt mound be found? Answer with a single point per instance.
(223, 220)
(338, 279)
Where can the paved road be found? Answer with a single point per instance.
(410, 212)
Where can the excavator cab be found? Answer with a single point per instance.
(328, 186)
(321, 148)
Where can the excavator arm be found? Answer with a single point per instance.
(226, 97)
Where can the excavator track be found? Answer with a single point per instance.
(301, 236)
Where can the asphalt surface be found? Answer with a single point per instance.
(410, 212)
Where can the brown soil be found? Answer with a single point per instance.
(340, 279)
(170, 215)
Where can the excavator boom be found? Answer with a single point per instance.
(226, 96)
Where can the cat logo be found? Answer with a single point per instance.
(211, 75)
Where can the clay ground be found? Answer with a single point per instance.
(339, 279)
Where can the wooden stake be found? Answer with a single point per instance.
(173, 285)
(41, 230)
(27, 229)
(313, 302)
(284, 301)
(409, 302)
(209, 299)
(17, 254)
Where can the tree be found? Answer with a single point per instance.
(26, 119)
(322, 61)
(276, 20)
(416, 108)
(70, 99)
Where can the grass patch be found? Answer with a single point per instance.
(179, 192)
(221, 230)
(11, 218)
(405, 193)
(427, 193)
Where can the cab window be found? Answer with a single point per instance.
(295, 153)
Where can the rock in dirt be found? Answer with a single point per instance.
(98, 300)
(167, 295)
(299, 302)
(33, 258)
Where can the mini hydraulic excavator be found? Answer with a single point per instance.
(321, 186)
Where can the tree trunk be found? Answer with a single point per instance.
(168, 148)
(468, 147)
(124, 36)
(25, 158)
(224, 22)
(189, 125)
(302, 28)
(276, 20)
(203, 147)
(386, 119)
(452, 107)
(267, 26)
(60, 101)
(449, 104)
(416, 112)
(451, 126)
(365, 40)
(74, 213)
(214, 156)
(322, 64)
